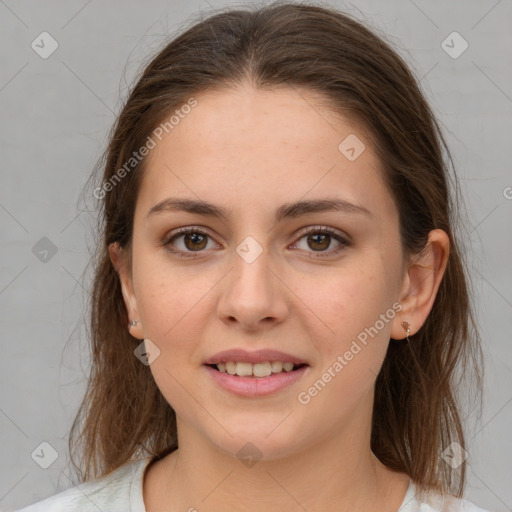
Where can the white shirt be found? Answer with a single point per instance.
(121, 491)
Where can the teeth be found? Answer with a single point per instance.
(244, 369)
(277, 366)
(261, 369)
(257, 370)
(230, 367)
(287, 367)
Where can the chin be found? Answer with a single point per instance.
(255, 443)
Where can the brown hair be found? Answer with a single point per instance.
(416, 410)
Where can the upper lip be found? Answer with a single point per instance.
(256, 356)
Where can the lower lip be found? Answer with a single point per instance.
(255, 386)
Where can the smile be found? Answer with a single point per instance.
(253, 380)
(255, 370)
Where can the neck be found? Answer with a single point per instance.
(338, 473)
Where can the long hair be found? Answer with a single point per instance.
(417, 410)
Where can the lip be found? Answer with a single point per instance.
(255, 386)
(257, 356)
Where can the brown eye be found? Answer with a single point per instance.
(319, 239)
(187, 241)
(319, 242)
(194, 241)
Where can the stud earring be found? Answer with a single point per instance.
(132, 324)
(406, 325)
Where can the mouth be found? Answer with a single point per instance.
(254, 380)
(256, 370)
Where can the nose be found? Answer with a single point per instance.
(253, 296)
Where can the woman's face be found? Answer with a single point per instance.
(256, 280)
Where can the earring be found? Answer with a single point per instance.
(406, 325)
(132, 324)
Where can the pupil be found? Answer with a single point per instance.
(325, 237)
(195, 237)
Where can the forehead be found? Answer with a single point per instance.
(255, 147)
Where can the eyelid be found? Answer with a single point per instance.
(303, 231)
(184, 231)
(344, 239)
(321, 229)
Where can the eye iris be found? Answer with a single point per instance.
(195, 237)
(195, 241)
(325, 240)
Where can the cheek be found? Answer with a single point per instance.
(353, 347)
(349, 298)
(350, 316)
(169, 296)
(170, 303)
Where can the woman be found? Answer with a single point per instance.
(280, 308)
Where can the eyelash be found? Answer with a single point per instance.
(308, 231)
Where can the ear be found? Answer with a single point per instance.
(121, 263)
(421, 283)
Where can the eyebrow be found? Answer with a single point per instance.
(288, 210)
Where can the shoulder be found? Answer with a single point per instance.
(120, 490)
(433, 501)
(455, 505)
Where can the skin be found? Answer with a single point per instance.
(250, 151)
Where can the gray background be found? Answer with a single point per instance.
(56, 113)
